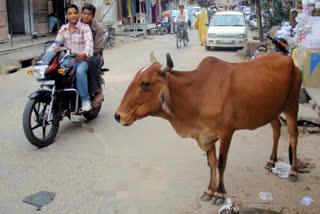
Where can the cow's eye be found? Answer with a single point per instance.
(145, 84)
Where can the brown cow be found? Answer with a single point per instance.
(213, 101)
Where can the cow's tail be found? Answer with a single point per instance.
(294, 86)
(292, 104)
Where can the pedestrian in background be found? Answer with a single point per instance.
(201, 24)
(174, 13)
(190, 17)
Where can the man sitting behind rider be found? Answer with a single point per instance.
(182, 17)
(87, 15)
(77, 38)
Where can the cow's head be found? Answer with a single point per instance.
(147, 94)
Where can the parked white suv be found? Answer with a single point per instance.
(226, 29)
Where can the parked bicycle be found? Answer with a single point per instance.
(109, 36)
(181, 36)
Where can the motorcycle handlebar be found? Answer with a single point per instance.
(73, 55)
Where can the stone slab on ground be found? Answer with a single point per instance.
(314, 93)
(310, 113)
(39, 199)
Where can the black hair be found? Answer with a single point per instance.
(89, 7)
(68, 6)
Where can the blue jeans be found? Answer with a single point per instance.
(81, 77)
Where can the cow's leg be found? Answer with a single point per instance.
(293, 134)
(276, 125)
(225, 140)
(212, 163)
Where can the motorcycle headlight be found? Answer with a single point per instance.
(39, 71)
(212, 35)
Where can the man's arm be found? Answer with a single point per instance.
(186, 18)
(98, 40)
(176, 18)
(88, 40)
(54, 47)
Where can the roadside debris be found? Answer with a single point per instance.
(228, 208)
(265, 196)
(257, 211)
(306, 201)
(281, 169)
(39, 199)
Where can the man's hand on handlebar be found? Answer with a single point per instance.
(80, 56)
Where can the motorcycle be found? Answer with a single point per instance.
(163, 25)
(280, 45)
(56, 98)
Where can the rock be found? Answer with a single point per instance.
(39, 199)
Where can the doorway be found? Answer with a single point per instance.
(16, 22)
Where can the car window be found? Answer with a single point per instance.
(247, 9)
(196, 9)
(227, 20)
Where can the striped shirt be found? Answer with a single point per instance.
(80, 41)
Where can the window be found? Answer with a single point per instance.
(227, 20)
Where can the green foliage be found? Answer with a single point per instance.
(274, 13)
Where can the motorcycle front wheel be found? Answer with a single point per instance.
(38, 130)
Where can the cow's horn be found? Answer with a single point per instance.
(169, 65)
(152, 57)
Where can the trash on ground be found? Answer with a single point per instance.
(306, 201)
(228, 208)
(281, 169)
(265, 196)
(39, 199)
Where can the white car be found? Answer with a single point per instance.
(226, 29)
(196, 10)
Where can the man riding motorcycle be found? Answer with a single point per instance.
(182, 17)
(77, 37)
(87, 15)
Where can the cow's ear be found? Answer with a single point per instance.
(165, 100)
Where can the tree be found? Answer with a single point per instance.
(275, 13)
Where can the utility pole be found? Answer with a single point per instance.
(258, 8)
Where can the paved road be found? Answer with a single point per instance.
(104, 167)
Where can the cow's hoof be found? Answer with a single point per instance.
(269, 166)
(293, 178)
(214, 200)
(217, 201)
(206, 197)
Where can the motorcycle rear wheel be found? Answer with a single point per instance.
(35, 122)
